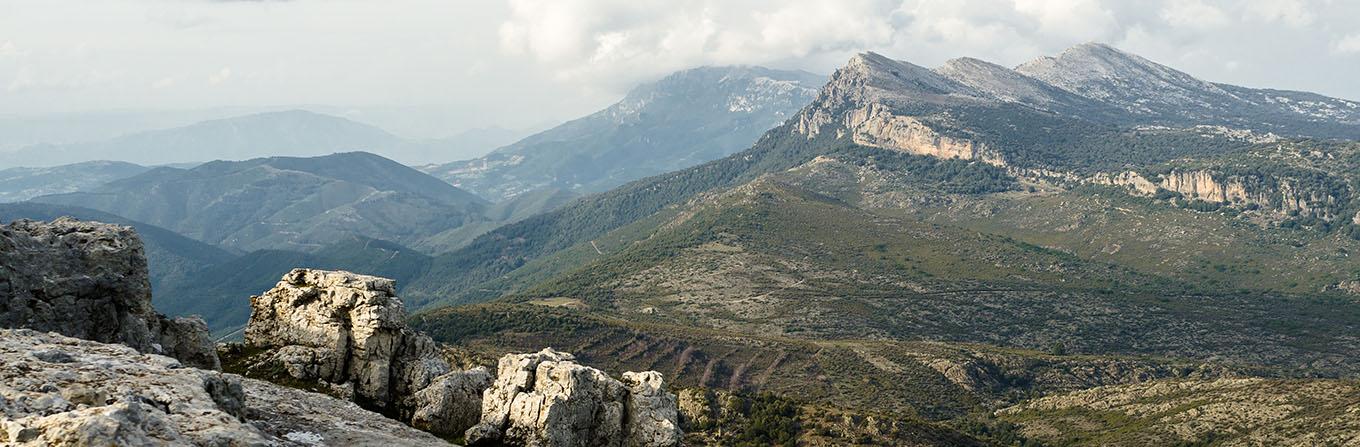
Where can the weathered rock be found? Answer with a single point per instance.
(452, 400)
(62, 391)
(651, 413)
(545, 399)
(89, 280)
(349, 330)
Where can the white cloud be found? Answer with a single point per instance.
(1073, 20)
(622, 41)
(1295, 13)
(1194, 14)
(8, 49)
(221, 76)
(165, 82)
(1350, 44)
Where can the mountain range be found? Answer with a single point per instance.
(286, 202)
(684, 119)
(299, 133)
(971, 248)
(19, 184)
(945, 242)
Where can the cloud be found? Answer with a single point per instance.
(165, 82)
(1350, 44)
(621, 40)
(1194, 14)
(8, 49)
(221, 76)
(1072, 20)
(1295, 13)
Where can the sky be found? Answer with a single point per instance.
(522, 63)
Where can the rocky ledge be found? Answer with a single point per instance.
(62, 391)
(89, 280)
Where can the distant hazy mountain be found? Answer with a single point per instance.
(289, 133)
(286, 202)
(687, 118)
(468, 144)
(18, 184)
(20, 131)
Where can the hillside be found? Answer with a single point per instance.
(1245, 411)
(286, 202)
(968, 109)
(19, 184)
(224, 300)
(823, 251)
(685, 119)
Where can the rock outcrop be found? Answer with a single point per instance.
(546, 399)
(349, 331)
(62, 391)
(89, 280)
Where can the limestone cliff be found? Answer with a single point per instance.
(89, 280)
(863, 100)
(1282, 195)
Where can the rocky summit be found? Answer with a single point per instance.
(89, 280)
(545, 398)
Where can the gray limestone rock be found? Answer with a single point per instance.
(349, 331)
(96, 394)
(546, 399)
(89, 280)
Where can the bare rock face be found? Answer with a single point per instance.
(89, 280)
(349, 330)
(452, 403)
(62, 391)
(545, 399)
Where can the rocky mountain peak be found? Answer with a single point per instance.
(879, 72)
(1126, 80)
(1007, 85)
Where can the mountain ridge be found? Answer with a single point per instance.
(292, 202)
(689, 117)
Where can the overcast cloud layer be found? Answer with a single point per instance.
(521, 63)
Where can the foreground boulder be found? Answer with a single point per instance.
(349, 332)
(61, 391)
(545, 399)
(89, 280)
